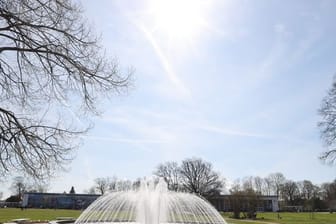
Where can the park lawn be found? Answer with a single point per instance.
(242, 221)
(288, 218)
(301, 217)
(7, 214)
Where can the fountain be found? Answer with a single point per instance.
(150, 204)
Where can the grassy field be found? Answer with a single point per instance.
(287, 218)
(7, 214)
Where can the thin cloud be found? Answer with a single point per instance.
(128, 140)
(231, 132)
(166, 126)
(171, 74)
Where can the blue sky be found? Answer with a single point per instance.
(237, 83)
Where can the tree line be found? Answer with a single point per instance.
(195, 175)
(302, 193)
(192, 175)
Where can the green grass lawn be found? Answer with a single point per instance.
(7, 214)
(288, 218)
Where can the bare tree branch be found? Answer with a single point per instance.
(170, 172)
(49, 58)
(198, 177)
(327, 124)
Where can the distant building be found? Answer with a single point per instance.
(5, 204)
(58, 201)
(265, 203)
(82, 201)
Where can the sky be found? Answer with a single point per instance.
(236, 83)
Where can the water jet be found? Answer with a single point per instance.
(150, 204)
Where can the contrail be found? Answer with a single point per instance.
(165, 63)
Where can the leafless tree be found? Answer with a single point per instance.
(102, 184)
(289, 191)
(91, 190)
(243, 198)
(18, 186)
(307, 189)
(112, 183)
(247, 183)
(267, 186)
(51, 67)
(170, 172)
(38, 186)
(42, 188)
(278, 179)
(124, 185)
(327, 124)
(236, 186)
(258, 184)
(252, 183)
(137, 183)
(21, 184)
(198, 177)
(329, 193)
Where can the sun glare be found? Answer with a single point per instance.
(178, 19)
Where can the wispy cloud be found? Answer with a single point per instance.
(231, 132)
(143, 127)
(163, 127)
(180, 88)
(128, 140)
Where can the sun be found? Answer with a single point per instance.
(177, 19)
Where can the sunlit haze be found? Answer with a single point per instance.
(178, 19)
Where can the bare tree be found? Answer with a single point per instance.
(236, 200)
(124, 185)
(170, 172)
(19, 186)
(51, 67)
(137, 183)
(112, 183)
(329, 193)
(278, 179)
(38, 186)
(236, 186)
(91, 190)
(105, 184)
(327, 124)
(198, 177)
(289, 191)
(247, 183)
(308, 189)
(258, 183)
(267, 186)
(243, 198)
(102, 184)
